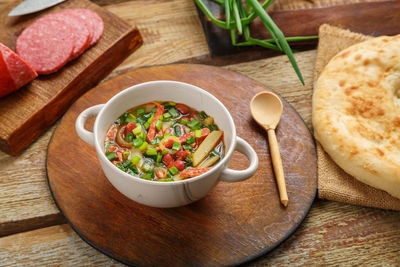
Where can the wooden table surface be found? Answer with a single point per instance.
(33, 232)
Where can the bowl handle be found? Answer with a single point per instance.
(229, 175)
(84, 134)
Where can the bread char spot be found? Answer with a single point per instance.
(366, 62)
(357, 57)
(342, 83)
(364, 107)
(380, 152)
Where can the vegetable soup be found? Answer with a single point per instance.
(164, 141)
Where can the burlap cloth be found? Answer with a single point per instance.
(333, 182)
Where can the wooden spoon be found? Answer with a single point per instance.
(266, 109)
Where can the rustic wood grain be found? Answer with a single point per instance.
(44, 100)
(334, 233)
(251, 210)
(371, 18)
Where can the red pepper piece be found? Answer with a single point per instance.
(152, 129)
(182, 154)
(182, 108)
(129, 127)
(167, 159)
(193, 172)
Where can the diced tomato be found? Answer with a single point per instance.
(193, 172)
(179, 164)
(183, 138)
(182, 108)
(182, 154)
(169, 143)
(112, 148)
(152, 130)
(167, 159)
(129, 127)
(161, 173)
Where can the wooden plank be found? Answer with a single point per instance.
(373, 18)
(333, 234)
(40, 103)
(168, 36)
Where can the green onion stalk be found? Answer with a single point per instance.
(238, 18)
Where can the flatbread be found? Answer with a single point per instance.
(356, 112)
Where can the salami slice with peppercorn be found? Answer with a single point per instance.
(46, 45)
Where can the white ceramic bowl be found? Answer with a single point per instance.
(166, 194)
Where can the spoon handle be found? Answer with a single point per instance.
(278, 168)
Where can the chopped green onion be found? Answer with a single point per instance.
(147, 176)
(134, 169)
(151, 151)
(193, 123)
(143, 146)
(119, 166)
(137, 130)
(155, 141)
(159, 157)
(166, 119)
(111, 156)
(173, 170)
(212, 127)
(136, 159)
(197, 133)
(159, 164)
(164, 152)
(146, 125)
(174, 113)
(138, 142)
(126, 154)
(184, 121)
(140, 111)
(150, 119)
(154, 110)
(177, 131)
(146, 167)
(158, 125)
(187, 147)
(129, 137)
(167, 115)
(176, 146)
(130, 118)
(172, 104)
(203, 115)
(190, 140)
(126, 163)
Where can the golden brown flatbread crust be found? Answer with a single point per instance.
(356, 112)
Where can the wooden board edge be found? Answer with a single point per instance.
(102, 66)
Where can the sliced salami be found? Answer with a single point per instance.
(46, 45)
(93, 22)
(80, 32)
(20, 72)
(6, 82)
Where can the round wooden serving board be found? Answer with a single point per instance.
(235, 223)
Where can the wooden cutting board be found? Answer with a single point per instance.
(26, 113)
(371, 18)
(235, 223)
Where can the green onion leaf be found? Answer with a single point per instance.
(176, 146)
(140, 111)
(111, 156)
(138, 142)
